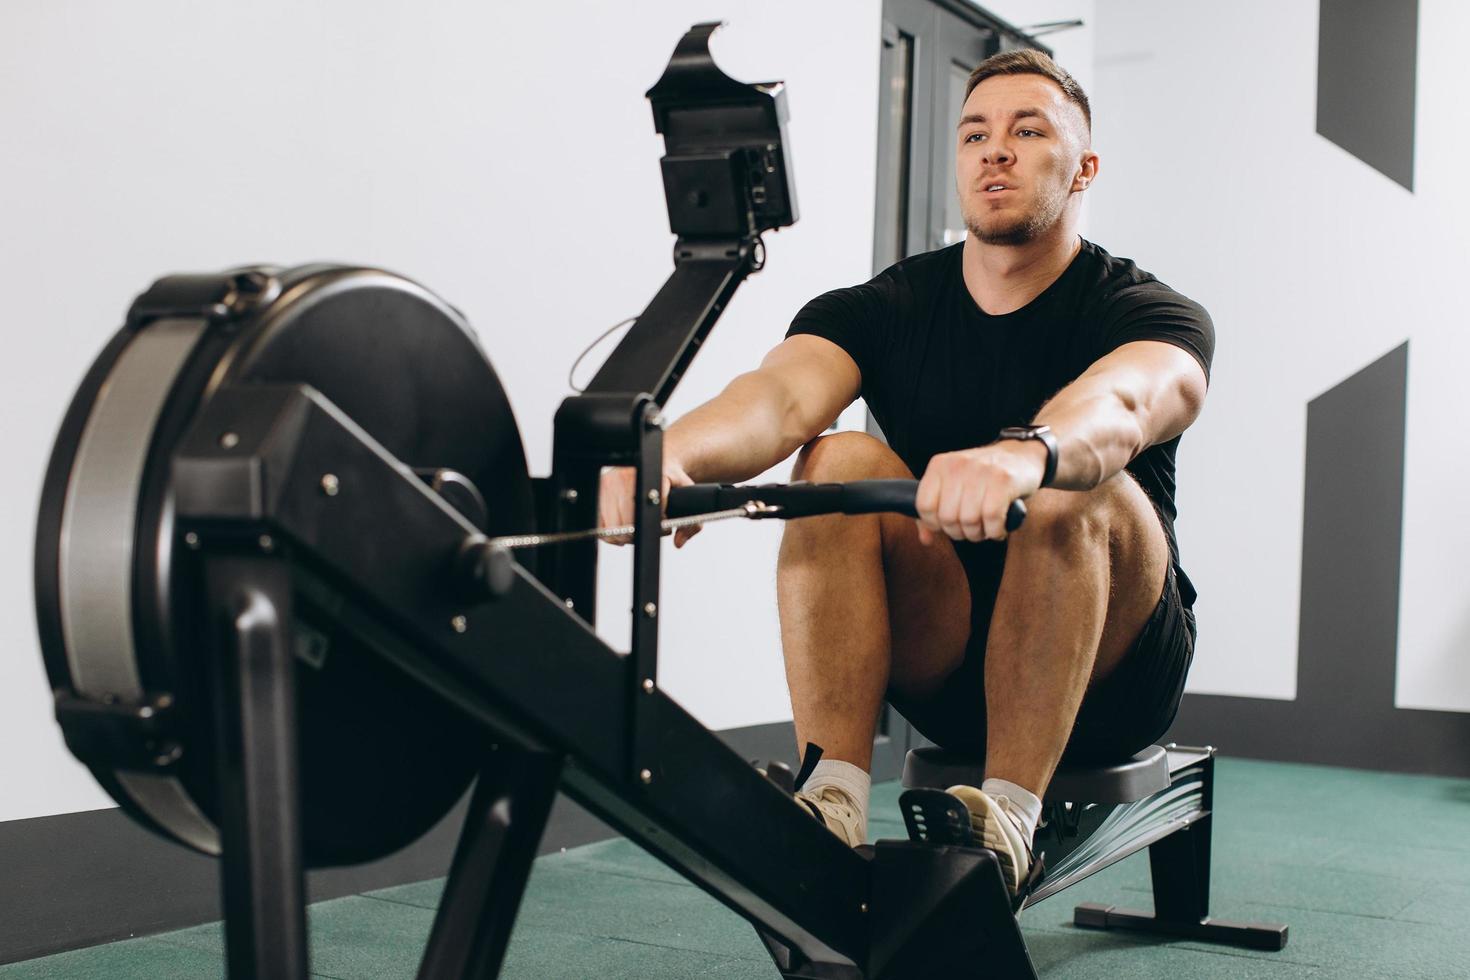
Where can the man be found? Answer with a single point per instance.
(1071, 635)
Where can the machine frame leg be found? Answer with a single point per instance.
(492, 863)
(262, 887)
(934, 911)
(1179, 866)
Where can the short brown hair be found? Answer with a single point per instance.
(1029, 61)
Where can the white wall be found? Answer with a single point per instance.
(1071, 47)
(505, 157)
(501, 154)
(1313, 265)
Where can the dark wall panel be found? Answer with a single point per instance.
(1352, 534)
(1366, 65)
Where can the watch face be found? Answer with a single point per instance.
(1019, 432)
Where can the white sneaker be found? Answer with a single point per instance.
(994, 828)
(833, 808)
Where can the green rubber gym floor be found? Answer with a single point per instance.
(1370, 870)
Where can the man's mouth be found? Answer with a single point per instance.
(996, 188)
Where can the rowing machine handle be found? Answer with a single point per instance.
(809, 499)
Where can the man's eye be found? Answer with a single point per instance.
(1029, 132)
(974, 137)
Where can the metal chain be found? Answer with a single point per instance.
(750, 509)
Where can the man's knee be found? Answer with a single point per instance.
(840, 458)
(844, 456)
(1081, 515)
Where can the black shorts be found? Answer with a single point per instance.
(1128, 710)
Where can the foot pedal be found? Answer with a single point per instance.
(935, 817)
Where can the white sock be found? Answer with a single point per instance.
(851, 779)
(1020, 803)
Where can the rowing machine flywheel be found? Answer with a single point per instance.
(381, 758)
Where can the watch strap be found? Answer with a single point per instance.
(1043, 435)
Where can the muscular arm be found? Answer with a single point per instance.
(1140, 395)
(767, 414)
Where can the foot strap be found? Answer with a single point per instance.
(809, 760)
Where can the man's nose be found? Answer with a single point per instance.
(998, 153)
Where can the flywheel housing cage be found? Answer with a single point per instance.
(118, 593)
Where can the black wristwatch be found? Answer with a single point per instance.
(1041, 433)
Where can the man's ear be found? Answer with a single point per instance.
(1086, 171)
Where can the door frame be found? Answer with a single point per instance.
(916, 59)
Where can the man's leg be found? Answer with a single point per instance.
(863, 605)
(1082, 577)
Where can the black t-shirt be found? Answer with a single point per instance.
(940, 374)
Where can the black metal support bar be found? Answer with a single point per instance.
(1179, 866)
(255, 709)
(570, 569)
(590, 431)
(643, 657)
(654, 355)
(603, 426)
(1180, 863)
(492, 863)
(508, 661)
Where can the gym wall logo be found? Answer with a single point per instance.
(1367, 63)
(1347, 644)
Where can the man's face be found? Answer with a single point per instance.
(1022, 150)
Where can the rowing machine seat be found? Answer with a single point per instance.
(1121, 782)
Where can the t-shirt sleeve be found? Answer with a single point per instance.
(1153, 311)
(852, 318)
